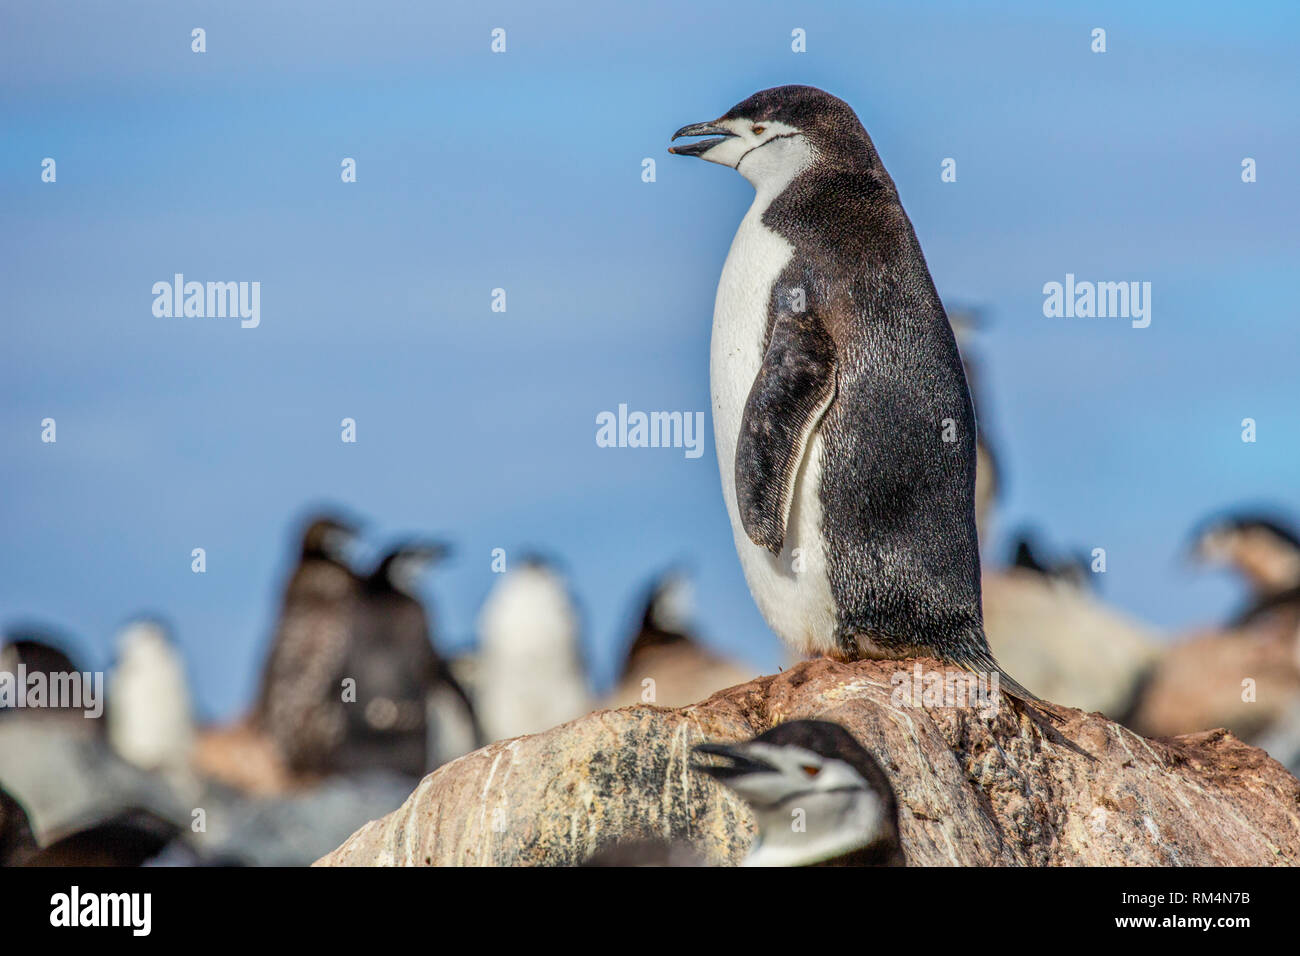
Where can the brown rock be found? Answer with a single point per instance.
(1064, 644)
(971, 791)
(682, 674)
(1198, 683)
(241, 756)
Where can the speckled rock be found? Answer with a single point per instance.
(972, 790)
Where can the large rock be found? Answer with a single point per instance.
(683, 674)
(1245, 680)
(971, 790)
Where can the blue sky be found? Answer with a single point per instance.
(523, 171)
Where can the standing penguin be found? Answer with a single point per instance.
(666, 664)
(1263, 550)
(530, 673)
(988, 469)
(300, 704)
(844, 427)
(400, 676)
(150, 713)
(39, 651)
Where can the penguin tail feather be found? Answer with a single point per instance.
(982, 662)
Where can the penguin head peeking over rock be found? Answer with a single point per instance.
(819, 798)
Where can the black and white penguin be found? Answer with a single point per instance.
(150, 712)
(848, 810)
(666, 663)
(400, 676)
(988, 468)
(531, 675)
(1262, 549)
(818, 797)
(843, 421)
(300, 703)
(1028, 554)
(41, 651)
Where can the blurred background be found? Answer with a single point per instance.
(523, 171)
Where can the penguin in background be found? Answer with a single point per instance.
(1027, 554)
(409, 715)
(844, 426)
(530, 672)
(1263, 550)
(988, 469)
(666, 664)
(300, 703)
(150, 711)
(850, 810)
(39, 650)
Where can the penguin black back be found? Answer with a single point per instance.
(299, 703)
(395, 665)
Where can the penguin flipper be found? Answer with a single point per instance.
(793, 389)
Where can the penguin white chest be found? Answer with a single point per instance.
(792, 589)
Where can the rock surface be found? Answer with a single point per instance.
(682, 675)
(971, 790)
(1201, 681)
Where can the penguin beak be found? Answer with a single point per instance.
(736, 762)
(701, 146)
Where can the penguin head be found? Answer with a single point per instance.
(775, 134)
(671, 605)
(329, 537)
(815, 791)
(529, 614)
(37, 650)
(403, 566)
(1260, 548)
(144, 638)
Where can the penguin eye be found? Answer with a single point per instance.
(758, 130)
(809, 770)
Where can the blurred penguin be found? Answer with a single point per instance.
(666, 665)
(530, 675)
(409, 715)
(40, 651)
(988, 476)
(1263, 550)
(300, 704)
(150, 712)
(1027, 554)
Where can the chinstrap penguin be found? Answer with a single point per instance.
(150, 711)
(814, 773)
(1263, 550)
(530, 673)
(666, 664)
(300, 704)
(844, 427)
(818, 798)
(397, 669)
